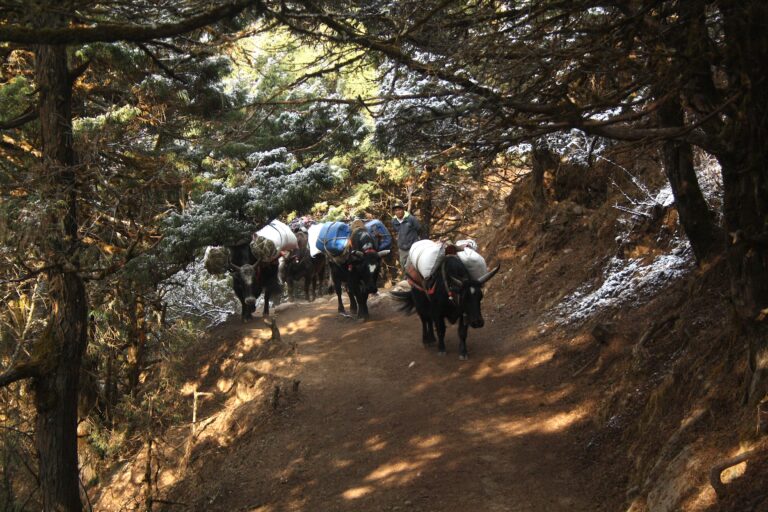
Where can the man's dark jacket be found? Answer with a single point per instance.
(407, 231)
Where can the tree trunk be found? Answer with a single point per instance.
(110, 391)
(696, 218)
(62, 347)
(541, 159)
(745, 181)
(426, 205)
(137, 342)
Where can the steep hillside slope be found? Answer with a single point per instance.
(646, 332)
(607, 377)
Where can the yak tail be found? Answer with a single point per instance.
(407, 305)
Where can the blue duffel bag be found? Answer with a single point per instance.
(380, 233)
(333, 238)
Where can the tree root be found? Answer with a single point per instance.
(639, 352)
(714, 474)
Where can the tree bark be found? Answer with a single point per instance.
(696, 217)
(427, 203)
(56, 387)
(541, 159)
(136, 343)
(745, 181)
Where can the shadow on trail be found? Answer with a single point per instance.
(381, 423)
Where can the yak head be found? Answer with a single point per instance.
(248, 275)
(366, 260)
(467, 294)
(297, 259)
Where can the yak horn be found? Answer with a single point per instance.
(457, 281)
(383, 253)
(489, 275)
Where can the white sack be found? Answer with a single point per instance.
(423, 256)
(313, 233)
(474, 263)
(467, 243)
(280, 234)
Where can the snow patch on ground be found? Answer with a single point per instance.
(629, 282)
(625, 283)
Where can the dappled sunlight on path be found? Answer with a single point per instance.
(381, 423)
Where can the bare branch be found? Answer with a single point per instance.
(20, 372)
(29, 115)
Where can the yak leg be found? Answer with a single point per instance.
(423, 308)
(353, 305)
(440, 324)
(351, 293)
(307, 282)
(246, 310)
(362, 305)
(427, 330)
(314, 287)
(267, 294)
(463, 328)
(337, 289)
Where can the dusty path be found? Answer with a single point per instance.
(383, 424)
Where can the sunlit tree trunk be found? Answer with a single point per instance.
(137, 342)
(63, 345)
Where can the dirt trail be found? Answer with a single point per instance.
(380, 423)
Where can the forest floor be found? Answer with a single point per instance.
(381, 423)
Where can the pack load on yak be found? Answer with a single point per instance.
(467, 243)
(380, 233)
(216, 260)
(333, 239)
(273, 239)
(426, 256)
(473, 261)
(301, 223)
(313, 233)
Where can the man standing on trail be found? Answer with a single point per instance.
(407, 228)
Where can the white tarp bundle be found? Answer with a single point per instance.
(281, 237)
(474, 263)
(423, 256)
(426, 255)
(312, 235)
